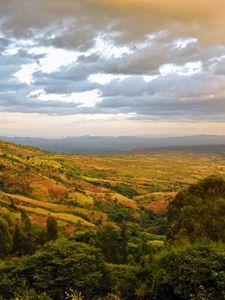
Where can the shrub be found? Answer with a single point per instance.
(196, 272)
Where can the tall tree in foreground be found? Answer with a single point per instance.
(57, 267)
(198, 212)
(196, 273)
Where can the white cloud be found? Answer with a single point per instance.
(107, 48)
(188, 69)
(106, 78)
(10, 51)
(85, 99)
(25, 74)
(54, 58)
(148, 78)
(182, 43)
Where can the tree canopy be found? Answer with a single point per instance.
(198, 212)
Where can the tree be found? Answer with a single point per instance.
(26, 224)
(5, 239)
(196, 272)
(109, 241)
(124, 237)
(123, 279)
(198, 212)
(52, 228)
(28, 233)
(59, 266)
(23, 236)
(19, 241)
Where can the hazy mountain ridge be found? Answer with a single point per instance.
(110, 145)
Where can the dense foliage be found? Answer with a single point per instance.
(23, 237)
(192, 272)
(55, 269)
(198, 212)
(196, 272)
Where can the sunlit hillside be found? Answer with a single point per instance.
(93, 190)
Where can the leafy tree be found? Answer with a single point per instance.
(142, 291)
(26, 224)
(5, 239)
(108, 240)
(24, 236)
(198, 211)
(117, 213)
(57, 267)
(123, 279)
(124, 238)
(52, 228)
(196, 272)
(19, 241)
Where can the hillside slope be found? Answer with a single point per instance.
(91, 190)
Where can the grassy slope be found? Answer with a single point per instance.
(69, 186)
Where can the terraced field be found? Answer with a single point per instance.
(92, 190)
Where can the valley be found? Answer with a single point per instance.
(111, 227)
(89, 190)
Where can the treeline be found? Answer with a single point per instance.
(192, 272)
(22, 237)
(128, 262)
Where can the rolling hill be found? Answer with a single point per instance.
(87, 191)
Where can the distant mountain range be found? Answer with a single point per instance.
(110, 145)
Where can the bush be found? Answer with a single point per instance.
(59, 266)
(196, 272)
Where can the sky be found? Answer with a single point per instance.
(115, 67)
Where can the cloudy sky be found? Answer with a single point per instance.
(112, 67)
